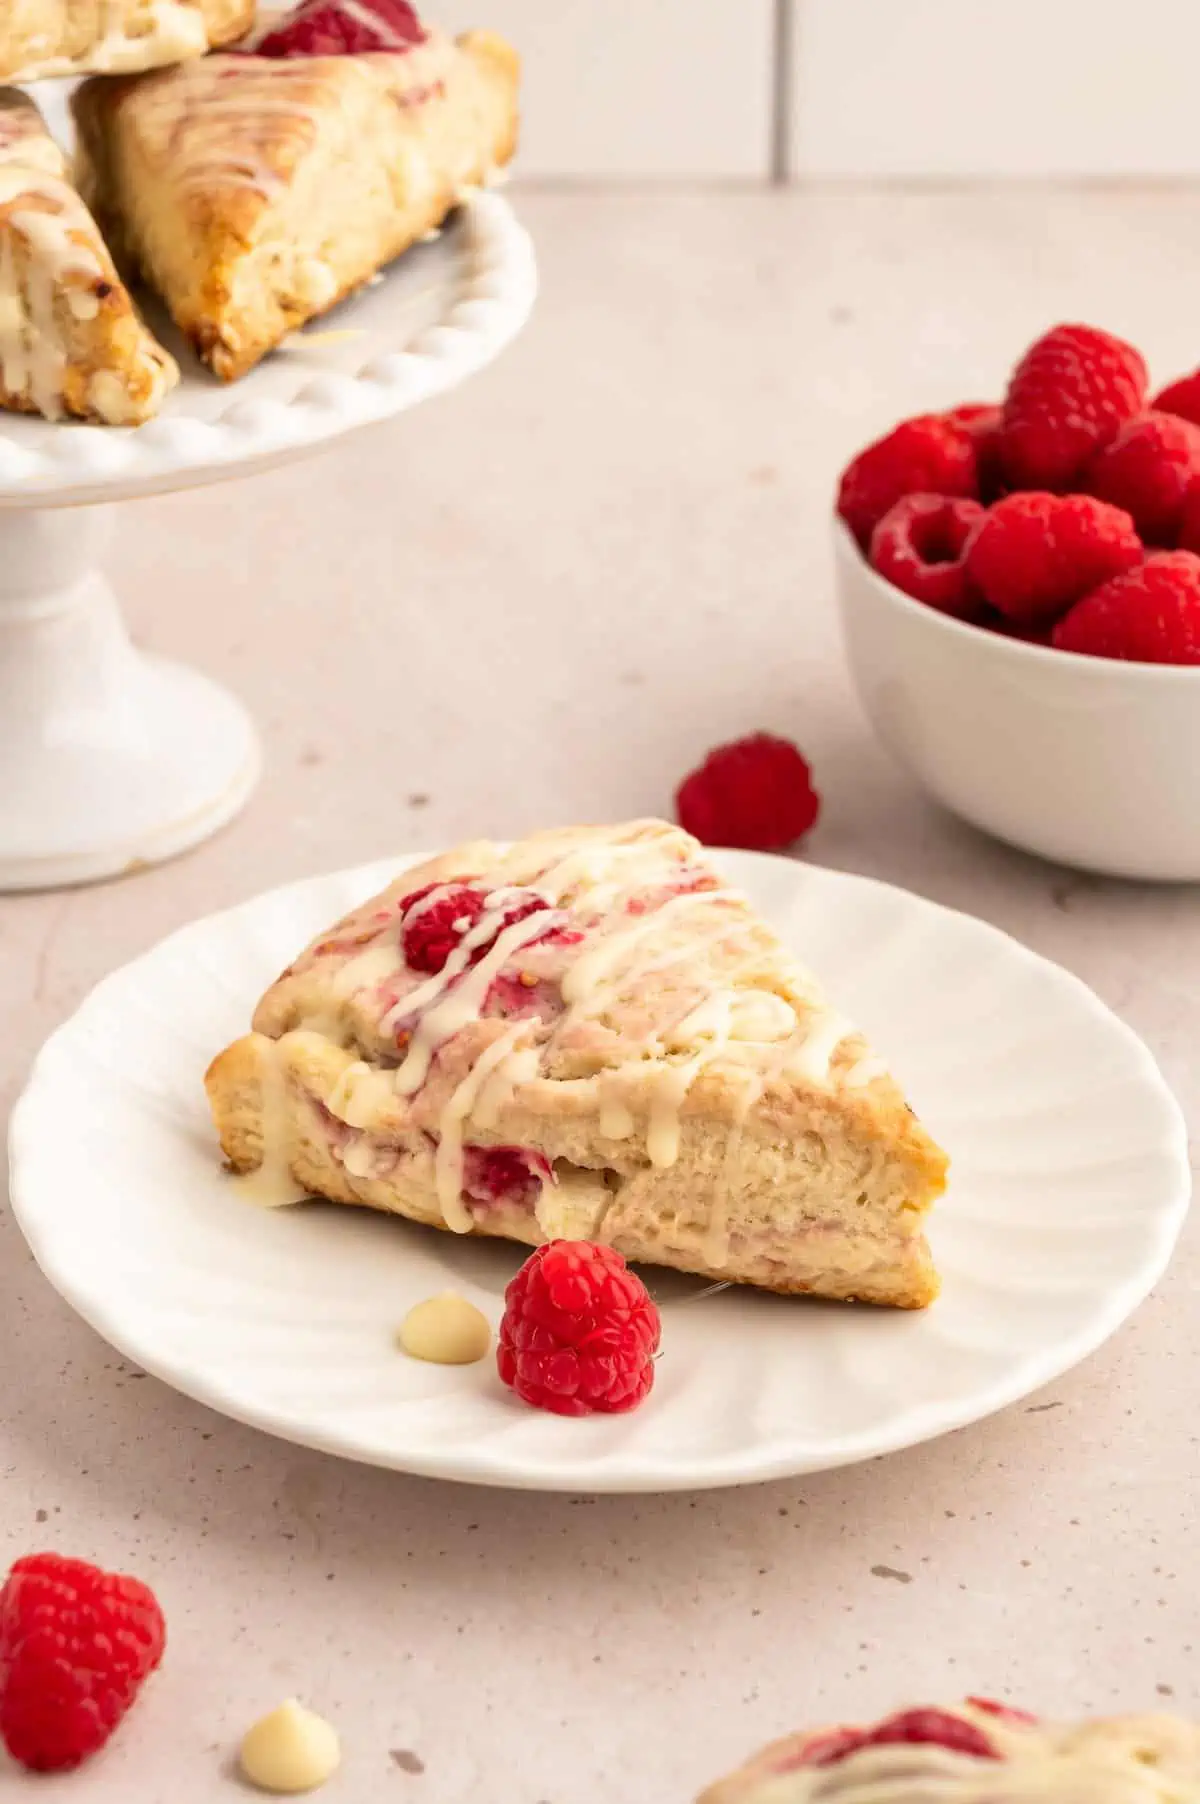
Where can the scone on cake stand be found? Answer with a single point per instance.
(113, 758)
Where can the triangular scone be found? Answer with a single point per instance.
(71, 342)
(256, 192)
(40, 38)
(586, 1036)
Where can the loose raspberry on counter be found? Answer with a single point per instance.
(928, 455)
(579, 1331)
(1035, 554)
(754, 793)
(1150, 615)
(1068, 397)
(76, 1645)
(1181, 398)
(1148, 469)
(326, 28)
(918, 546)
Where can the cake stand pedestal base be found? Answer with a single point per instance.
(110, 759)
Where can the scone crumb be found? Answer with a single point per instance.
(290, 1750)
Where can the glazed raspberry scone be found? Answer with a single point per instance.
(40, 38)
(256, 191)
(586, 1036)
(976, 1753)
(71, 342)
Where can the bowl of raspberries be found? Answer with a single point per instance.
(1019, 585)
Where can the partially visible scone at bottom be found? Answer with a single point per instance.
(42, 38)
(979, 1752)
(256, 191)
(586, 1035)
(71, 341)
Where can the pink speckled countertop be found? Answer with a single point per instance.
(540, 600)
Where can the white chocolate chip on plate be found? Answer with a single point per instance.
(291, 1750)
(446, 1330)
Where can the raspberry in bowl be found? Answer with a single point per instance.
(1019, 589)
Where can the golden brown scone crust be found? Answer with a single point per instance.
(773, 1150)
(256, 193)
(40, 38)
(71, 341)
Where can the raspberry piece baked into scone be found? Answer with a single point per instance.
(40, 38)
(586, 1036)
(975, 1753)
(71, 341)
(256, 191)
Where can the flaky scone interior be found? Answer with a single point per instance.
(254, 193)
(586, 1035)
(978, 1752)
(41, 38)
(71, 340)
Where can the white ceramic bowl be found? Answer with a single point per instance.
(1088, 761)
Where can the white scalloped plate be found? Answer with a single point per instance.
(437, 314)
(1070, 1184)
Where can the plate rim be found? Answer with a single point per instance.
(621, 1474)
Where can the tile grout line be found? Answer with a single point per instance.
(782, 47)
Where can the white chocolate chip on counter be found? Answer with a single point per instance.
(291, 1750)
(446, 1330)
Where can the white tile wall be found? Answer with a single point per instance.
(656, 89)
(995, 88)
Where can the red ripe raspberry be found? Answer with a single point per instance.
(1189, 521)
(324, 28)
(983, 420)
(504, 1174)
(1181, 398)
(918, 545)
(579, 1332)
(928, 455)
(1070, 394)
(1005, 1713)
(428, 939)
(1150, 615)
(1034, 554)
(75, 1646)
(755, 793)
(1148, 470)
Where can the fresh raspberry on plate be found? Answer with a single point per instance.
(1150, 615)
(1068, 397)
(755, 793)
(327, 28)
(1034, 554)
(579, 1331)
(76, 1645)
(1181, 398)
(983, 420)
(928, 455)
(918, 546)
(1148, 469)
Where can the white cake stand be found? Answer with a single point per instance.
(112, 759)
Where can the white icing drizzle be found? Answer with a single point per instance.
(218, 114)
(272, 1185)
(33, 351)
(448, 1164)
